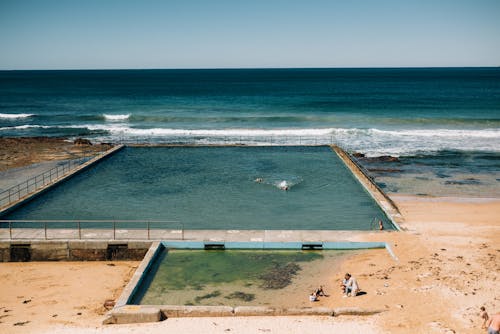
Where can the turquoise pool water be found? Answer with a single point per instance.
(215, 188)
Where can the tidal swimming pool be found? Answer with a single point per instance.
(277, 278)
(215, 188)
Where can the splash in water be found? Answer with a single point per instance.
(283, 185)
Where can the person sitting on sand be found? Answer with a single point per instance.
(320, 292)
(494, 324)
(349, 286)
(484, 315)
(313, 297)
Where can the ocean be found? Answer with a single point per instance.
(409, 113)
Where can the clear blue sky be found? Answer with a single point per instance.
(65, 34)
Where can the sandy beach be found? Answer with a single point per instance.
(448, 267)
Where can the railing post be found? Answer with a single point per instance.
(79, 231)
(10, 230)
(114, 230)
(148, 231)
(45, 228)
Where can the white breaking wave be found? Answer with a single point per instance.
(14, 116)
(27, 126)
(215, 132)
(486, 133)
(116, 118)
(373, 142)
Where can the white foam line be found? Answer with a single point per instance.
(14, 116)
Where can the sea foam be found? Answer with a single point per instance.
(116, 118)
(372, 141)
(14, 116)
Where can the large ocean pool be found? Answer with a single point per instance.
(215, 188)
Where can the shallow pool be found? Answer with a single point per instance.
(278, 278)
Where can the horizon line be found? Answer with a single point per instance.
(241, 68)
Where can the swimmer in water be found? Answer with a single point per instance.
(283, 185)
(259, 180)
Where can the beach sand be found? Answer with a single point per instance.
(448, 267)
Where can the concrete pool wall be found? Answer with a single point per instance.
(380, 197)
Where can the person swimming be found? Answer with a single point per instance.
(283, 185)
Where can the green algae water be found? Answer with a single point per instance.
(215, 188)
(237, 277)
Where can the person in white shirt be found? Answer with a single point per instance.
(349, 285)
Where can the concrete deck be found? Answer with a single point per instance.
(62, 178)
(19, 234)
(385, 203)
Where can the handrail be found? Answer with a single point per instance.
(76, 227)
(32, 184)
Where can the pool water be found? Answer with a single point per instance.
(215, 188)
(280, 278)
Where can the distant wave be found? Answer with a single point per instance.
(487, 133)
(26, 126)
(14, 116)
(373, 142)
(115, 118)
(216, 132)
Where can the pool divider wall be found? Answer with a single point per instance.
(72, 250)
(385, 202)
(62, 178)
(123, 312)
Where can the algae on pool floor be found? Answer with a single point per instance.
(237, 277)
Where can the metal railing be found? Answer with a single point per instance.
(90, 230)
(276, 140)
(32, 184)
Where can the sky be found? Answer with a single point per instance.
(109, 34)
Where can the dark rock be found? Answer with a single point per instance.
(21, 323)
(384, 170)
(82, 142)
(279, 276)
(247, 297)
(358, 155)
(388, 158)
(468, 181)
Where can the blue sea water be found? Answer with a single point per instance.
(434, 117)
(375, 111)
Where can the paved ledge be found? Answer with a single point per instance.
(64, 177)
(153, 313)
(384, 201)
